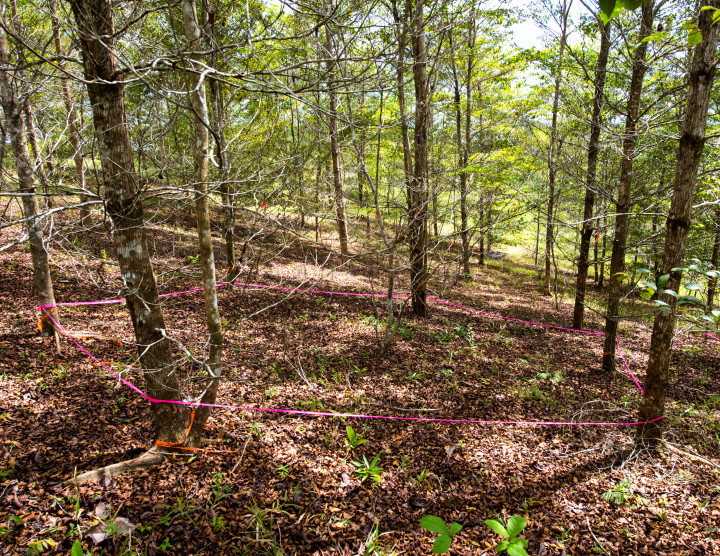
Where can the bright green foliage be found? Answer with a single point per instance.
(353, 439)
(445, 534)
(367, 470)
(514, 545)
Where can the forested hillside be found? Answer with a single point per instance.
(359, 278)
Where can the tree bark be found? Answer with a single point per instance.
(201, 147)
(622, 206)
(591, 183)
(12, 108)
(692, 141)
(331, 69)
(96, 34)
(419, 188)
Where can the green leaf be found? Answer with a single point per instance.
(516, 550)
(442, 544)
(690, 300)
(693, 287)
(77, 549)
(671, 292)
(659, 303)
(455, 529)
(434, 524)
(712, 274)
(694, 37)
(642, 271)
(630, 4)
(516, 525)
(350, 433)
(715, 313)
(607, 7)
(502, 545)
(663, 280)
(497, 527)
(678, 269)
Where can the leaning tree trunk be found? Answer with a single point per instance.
(692, 140)
(96, 34)
(201, 146)
(622, 206)
(331, 69)
(73, 127)
(12, 108)
(587, 229)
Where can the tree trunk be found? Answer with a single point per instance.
(218, 124)
(593, 148)
(330, 64)
(72, 119)
(464, 150)
(201, 148)
(419, 189)
(630, 138)
(692, 140)
(552, 154)
(35, 226)
(712, 283)
(96, 34)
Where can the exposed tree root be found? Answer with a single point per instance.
(154, 456)
(695, 458)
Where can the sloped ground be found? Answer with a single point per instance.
(283, 484)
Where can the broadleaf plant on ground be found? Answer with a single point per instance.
(445, 534)
(514, 545)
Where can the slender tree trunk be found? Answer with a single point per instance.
(419, 189)
(622, 207)
(201, 148)
(335, 143)
(401, 33)
(218, 124)
(35, 226)
(712, 283)
(601, 280)
(464, 149)
(593, 148)
(96, 34)
(553, 151)
(31, 135)
(692, 141)
(73, 131)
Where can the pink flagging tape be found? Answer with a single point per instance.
(494, 315)
(348, 415)
(44, 308)
(713, 336)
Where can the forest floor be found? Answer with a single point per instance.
(273, 483)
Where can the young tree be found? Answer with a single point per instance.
(622, 205)
(591, 178)
(97, 37)
(12, 107)
(201, 146)
(555, 143)
(692, 141)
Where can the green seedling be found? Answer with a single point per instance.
(367, 470)
(353, 439)
(514, 545)
(445, 534)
